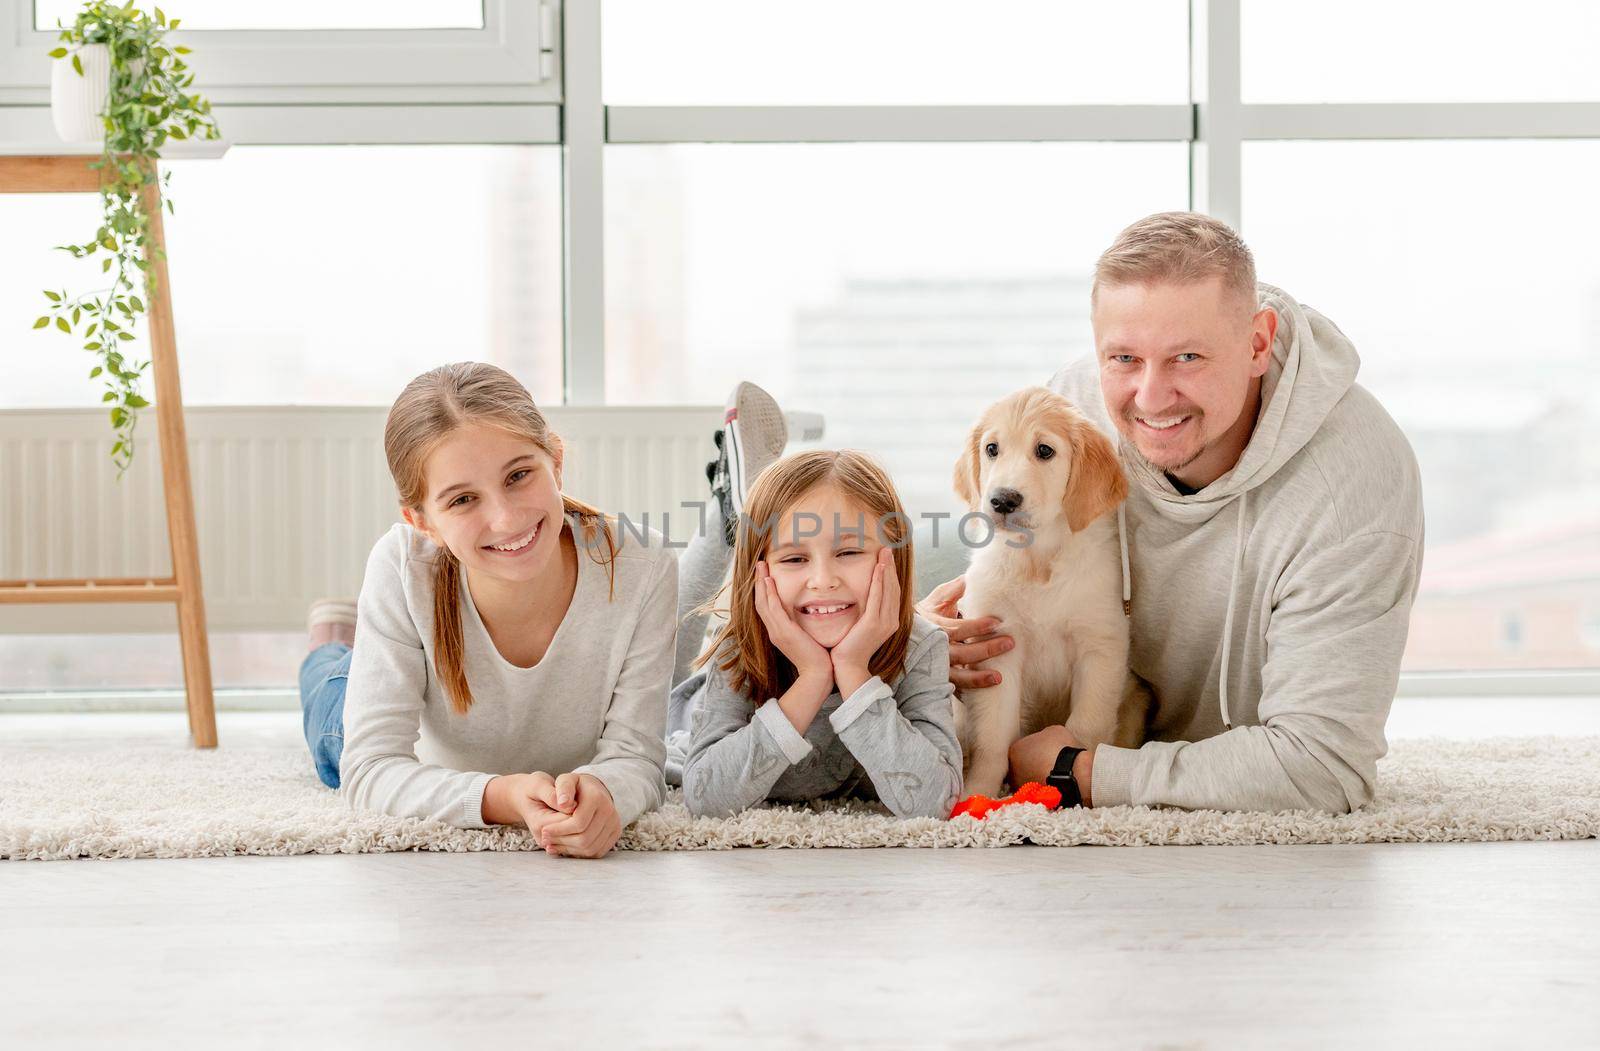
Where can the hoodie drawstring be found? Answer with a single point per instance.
(1127, 581)
(1227, 623)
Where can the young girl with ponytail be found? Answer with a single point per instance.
(509, 657)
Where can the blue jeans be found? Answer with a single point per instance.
(323, 675)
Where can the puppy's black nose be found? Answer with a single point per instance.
(1005, 501)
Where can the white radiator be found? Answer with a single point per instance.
(288, 502)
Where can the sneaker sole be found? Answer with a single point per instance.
(753, 410)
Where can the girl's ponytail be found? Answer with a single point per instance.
(449, 660)
(592, 518)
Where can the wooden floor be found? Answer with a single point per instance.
(1492, 945)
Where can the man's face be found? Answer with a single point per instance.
(1178, 370)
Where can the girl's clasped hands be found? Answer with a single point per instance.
(570, 815)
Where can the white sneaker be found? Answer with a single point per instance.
(755, 435)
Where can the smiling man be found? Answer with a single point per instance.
(1275, 537)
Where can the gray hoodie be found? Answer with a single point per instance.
(1270, 609)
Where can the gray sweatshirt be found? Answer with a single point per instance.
(1270, 609)
(895, 743)
(595, 703)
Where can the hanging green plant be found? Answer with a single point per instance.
(148, 103)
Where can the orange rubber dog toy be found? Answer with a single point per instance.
(1032, 792)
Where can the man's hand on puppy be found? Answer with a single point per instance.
(1033, 757)
(971, 641)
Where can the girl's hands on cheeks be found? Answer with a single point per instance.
(808, 656)
(880, 618)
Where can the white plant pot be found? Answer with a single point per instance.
(76, 101)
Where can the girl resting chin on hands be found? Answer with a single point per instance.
(823, 682)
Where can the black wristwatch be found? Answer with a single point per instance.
(1061, 777)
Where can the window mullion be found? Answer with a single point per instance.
(583, 205)
(1216, 165)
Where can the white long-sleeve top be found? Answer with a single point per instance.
(595, 703)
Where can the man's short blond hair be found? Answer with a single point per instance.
(1180, 248)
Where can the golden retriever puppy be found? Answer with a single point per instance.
(1049, 482)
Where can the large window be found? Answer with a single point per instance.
(896, 288)
(885, 212)
(1477, 315)
(894, 52)
(1320, 51)
(317, 275)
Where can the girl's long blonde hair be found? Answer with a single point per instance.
(741, 647)
(432, 406)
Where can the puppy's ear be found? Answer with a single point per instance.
(1097, 484)
(967, 467)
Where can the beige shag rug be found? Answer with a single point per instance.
(144, 800)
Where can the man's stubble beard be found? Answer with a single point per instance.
(1195, 417)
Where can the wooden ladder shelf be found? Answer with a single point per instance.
(70, 173)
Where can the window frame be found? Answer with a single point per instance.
(514, 58)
